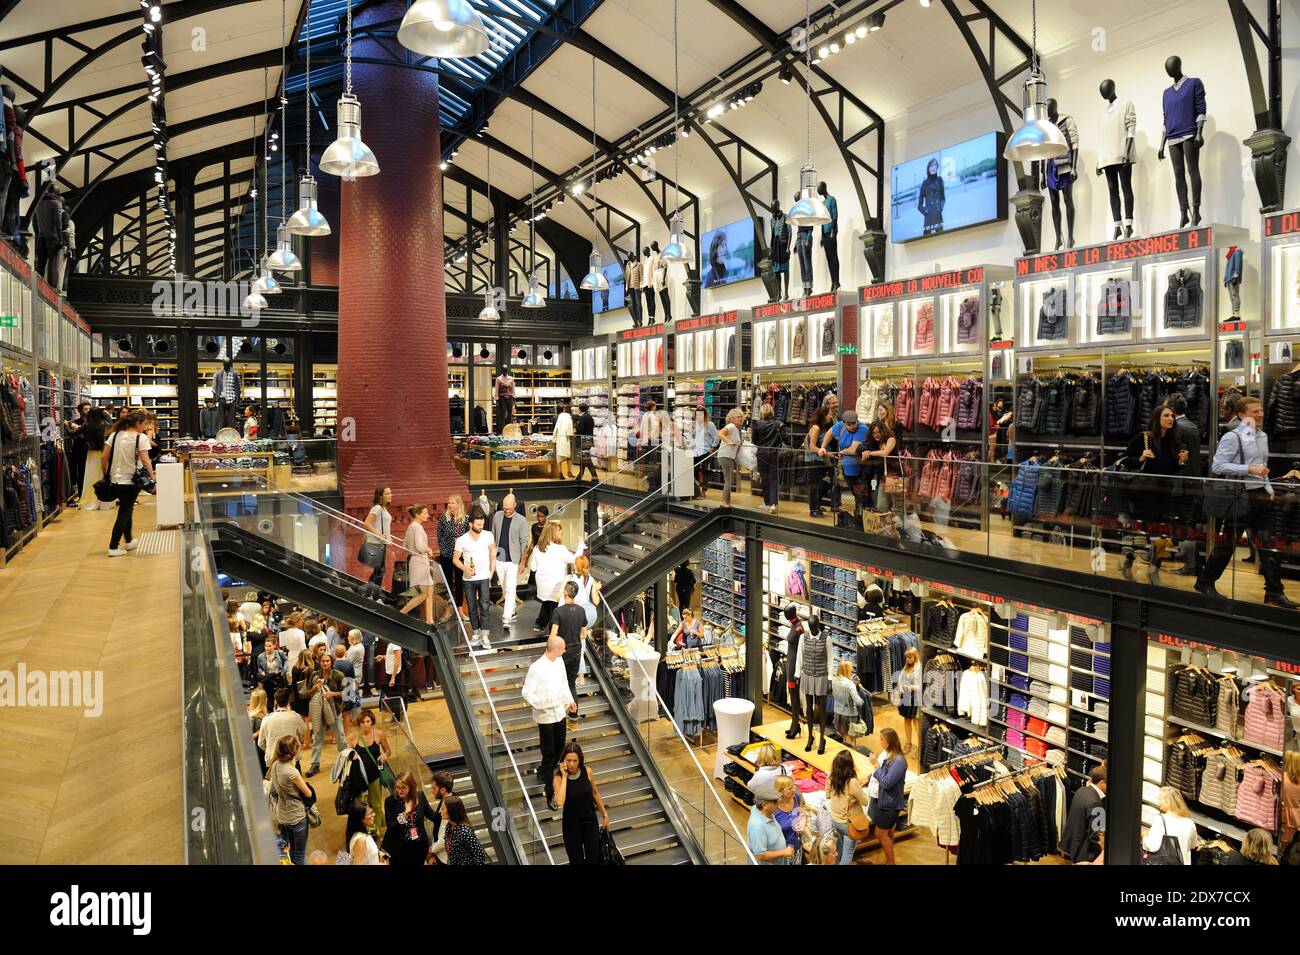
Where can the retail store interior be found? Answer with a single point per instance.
(597, 432)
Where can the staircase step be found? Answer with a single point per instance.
(609, 755)
(621, 819)
(597, 720)
(634, 843)
(648, 541)
(612, 561)
(512, 696)
(625, 550)
(673, 855)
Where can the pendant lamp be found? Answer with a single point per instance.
(594, 280)
(283, 259)
(255, 301)
(1038, 138)
(449, 29)
(808, 209)
(535, 297)
(489, 313)
(266, 282)
(348, 156)
(677, 249)
(308, 220)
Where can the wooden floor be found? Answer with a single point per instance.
(105, 789)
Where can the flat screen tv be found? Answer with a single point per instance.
(953, 188)
(727, 254)
(612, 297)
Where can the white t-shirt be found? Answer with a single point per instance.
(319, 638)
(277, 724)
(124, 460)
(248, 610)
(294, 642)
(479, 551)
(383, 520)
(1180, 827)
(392, 660)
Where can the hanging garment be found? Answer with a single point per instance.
(905, 405)
(828, 336)
(923, 339)
(968, 316)
(1220, 780)
(1114, 312)
(885, 333)
(1121, 404)
(1183, 300)
(929, 403)
(797, 344)
(1029, 404)
(1024, 489)
(1228, 708)
(1052, 319)
(1258, 795)
(1265, 721)
(970, 403)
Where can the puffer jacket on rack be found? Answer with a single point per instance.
(1121, 404)
(967, 489)
(929, 403)
(1029, 404)
(941, 624)
(1152, 392)
(12, 428)
(828, 336)
(1113, 309)
(1195, 695)
(1051, 489)
(867, 399)
(968, 319)
(923, 339)
(1024, 489)
(1265, 721)
(1220, 780)
(1284, 511)
(1280, 418)
(970, 399)
(947, 479)
(1228, 709)
(798, 412)
(1085, 405)
(905, 404)
(1183, 300)
(885, 333)
(1052, 320)
(1058, 395)
(930, 475)
(1183, 769)
(946, 407)
(1257, 797)
(1194, 385)
(1081, 479)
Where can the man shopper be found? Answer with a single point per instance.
(510, 532)
(1080, 842)
(849, 435)
(569, 623)
(1242, 455)
(475, 557)
(546, 690)
(584, 432)
(1189, 496)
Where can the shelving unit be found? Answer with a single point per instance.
(325, 396)
(722, 584)
(540, 395)
(149, 386)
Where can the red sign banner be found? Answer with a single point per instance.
(647, 331)
(1184, 240)
(796, 306)
(1284, 223)
(916, 286)
(717, 320)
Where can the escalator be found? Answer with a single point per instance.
(644, 544)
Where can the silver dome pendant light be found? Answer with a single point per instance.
(1038, 138)
(489, 313)
(808, 210)
(283, 259)
(676, 250)
(595, 280)
(254, 302)
(266, 282)
(535, 297)
(348, 157)
(308, 220)
(449, 29)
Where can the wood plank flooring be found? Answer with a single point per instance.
(76, 788)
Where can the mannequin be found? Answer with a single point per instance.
(228, 388)
(51, 221)
(1116, 152)
(503, 393)
(661, 282)
(632, 287)
(831, 236)
(1232, 278)
(791, 663)
(1060, 174)
(995, 311)
(649, 265)
(1184, 134)
(7, 165)
(803, 247)
(780, 251)
(814, 665)
(17, 182)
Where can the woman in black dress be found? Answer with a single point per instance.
(405, 813)
(576, 793)
(1157, 451)
(463, 847)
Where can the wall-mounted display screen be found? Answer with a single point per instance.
(612, 297)
(952, 188)
(728, 253)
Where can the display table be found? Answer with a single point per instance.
(266, 469)
(733, 715)
(642, 665)
(495, 464)
(774, 733)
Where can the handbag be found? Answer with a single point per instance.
(1222, 499)
(857, 728)
(387, 777)
(859, 824)
(747, 456)
(893, 483)
(1169, 853)
(372, 553)
(609, 854)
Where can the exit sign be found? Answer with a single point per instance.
(8, 321)
(846, 349)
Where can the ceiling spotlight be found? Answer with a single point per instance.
(875, 22)
(443, 165)
(148, 28)
(686, 132)
(850, 38)
(275, 135)
(577, 188)
(925, 3)
(155, 14)
(786, 75)
(823, 51)
(835, 46)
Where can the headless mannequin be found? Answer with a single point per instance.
(831, 236)
(660, 280)
(7, 164)
(797, 632)
(648, 264)
(1060, 173)
(780, 251)
(1185, 151)
(1118, 166)
(229, 417)
(814, 656)
(632, 296)
(803, 248)
(995, 311)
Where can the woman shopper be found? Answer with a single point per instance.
(1257, 847)
(372, 749)
(380, 523)
(257, 713)
(463, 847)
(549, 563)
(888, 802)
(815, 464)
(358, 843)
(845, 797)
(769, 439)
(125, 452)
(300, 682)
(419, 553)
(589, 600)
(294, 795)
(577, 794)
(767, 768)
(1175, 821)
(1160, 454)
(405, 813)
(271, 667)
(907, 696)
(876, 465)
(1290, 797)
(728, 448)
(251, 426)
(93, 434)
(326, 709)
(453, 523)
(788, 808)
(844, 690)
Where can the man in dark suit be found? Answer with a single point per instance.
(1189, 499)
(584, 430)
(1081, 841)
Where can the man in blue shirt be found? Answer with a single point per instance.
(1242, 455)
(849, 435)
(766, 841)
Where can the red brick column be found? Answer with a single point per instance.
(394, 425)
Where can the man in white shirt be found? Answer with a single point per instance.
(476, 557)
(510, 532)
(282, 722)
(546, 690)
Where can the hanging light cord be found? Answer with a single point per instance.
(807, 106)
(594, 230)
(266, 171)
(284, 106)
(677, 166)
(1033, 47)
(307, 94)
(532, 198)
(254, 191)
(348, 52)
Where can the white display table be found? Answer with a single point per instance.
(171, 494)
(733, 716)
(642, 665)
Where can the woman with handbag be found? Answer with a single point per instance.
(769, 438)
(1172, 838)
(92, 433)
(372, 747)
(127, 470)
(844, 690)
(374, 550)
(300, 682)
(817, 469)
(848, 802)
(419, 554)
(728, 448)
(576, 793)
(1160, 453)
(452, 525)
(405, 813)
(887, 799)
(294, 796)
(877, 474)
